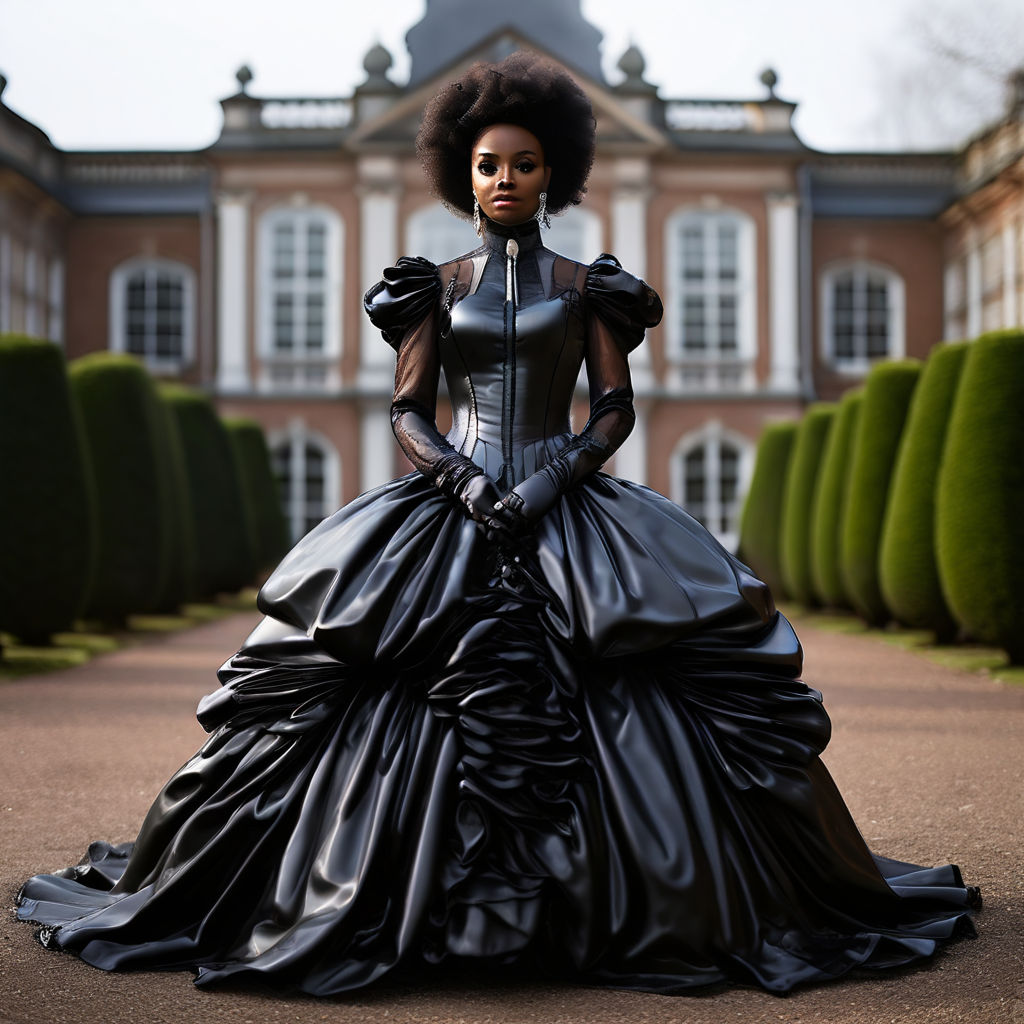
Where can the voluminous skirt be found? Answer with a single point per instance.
(591, 757)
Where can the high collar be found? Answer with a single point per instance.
(496, 236)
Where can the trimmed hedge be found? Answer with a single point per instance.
(760, 527)
(828, 507)
(980, 504)
(797, 502)
(262, 499)
(124, 430)
(224, 557)
(887, 393)
(47, 540)
(180, 585)
(908, 573)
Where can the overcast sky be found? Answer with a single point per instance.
(144, 74)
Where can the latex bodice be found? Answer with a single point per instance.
(511, 336)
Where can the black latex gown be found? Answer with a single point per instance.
(596, 762)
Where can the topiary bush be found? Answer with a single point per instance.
(908, 573)
(828, 506)
(262, 499)
(761, 520)
(125, 433)
(887, 393)
(980, 499)
(224, 557)
(180, 584)
(798, 499)
(47, 541)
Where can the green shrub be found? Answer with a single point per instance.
(224, 558)
(262, 500)
(804, 465)
(828, 507)
(760, 524)
(980, 503)
(124, 432)
(47, 540)
(887, 393)
(908, 574)
(180, 585)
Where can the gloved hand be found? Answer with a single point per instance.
(481, 500)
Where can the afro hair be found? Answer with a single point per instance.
(525, 90)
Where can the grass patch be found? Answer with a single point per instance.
(87, 640)
(967, 657)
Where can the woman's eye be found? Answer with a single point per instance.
(486, 167)
(525, 167)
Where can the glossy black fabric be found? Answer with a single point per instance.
(590, 755)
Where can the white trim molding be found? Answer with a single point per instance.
(152, 269)
(232, 293)
(862, 274)
(784, 290)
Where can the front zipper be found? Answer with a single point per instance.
(508, 392)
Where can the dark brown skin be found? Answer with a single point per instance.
(509, 173)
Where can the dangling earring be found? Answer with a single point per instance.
(542, 211)
(476, 214)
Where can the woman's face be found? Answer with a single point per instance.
(509, 173)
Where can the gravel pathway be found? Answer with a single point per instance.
(928, 758)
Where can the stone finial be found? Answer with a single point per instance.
(770, 79)
(376, 64)
(633, 65)
(244, 76)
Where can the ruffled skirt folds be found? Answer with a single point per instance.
(590, 757)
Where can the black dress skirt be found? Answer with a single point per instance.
(588, 755)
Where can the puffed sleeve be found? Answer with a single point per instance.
(403, 298)
(624, 303)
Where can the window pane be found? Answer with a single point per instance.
(316, 251)
(694, 496)
(284, 251)
(728, 251)
(284, 322)
(693, 253)
(315, 322)
(728, 341)
(728, 487)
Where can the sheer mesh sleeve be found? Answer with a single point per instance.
(405, 305)
(618, 310)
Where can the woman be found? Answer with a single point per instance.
(507, 709)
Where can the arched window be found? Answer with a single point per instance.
(300, 274)
(307, 471)
(862, 315)
(711, 324)
(152, 312)
(710, 474)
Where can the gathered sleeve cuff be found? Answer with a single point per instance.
(403, 299)
(626, 305)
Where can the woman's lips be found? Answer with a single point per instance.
(505, 200)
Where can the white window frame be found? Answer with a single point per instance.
(297, 435)
(710, 371)
(300, 370)
(711, 436)
(896, 294)
(118, 339)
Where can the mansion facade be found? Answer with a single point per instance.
(240, 268)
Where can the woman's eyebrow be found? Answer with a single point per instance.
(494, 156)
